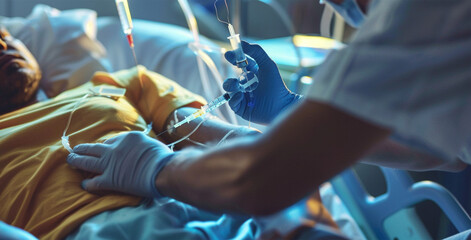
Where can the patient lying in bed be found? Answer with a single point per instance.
(40, 193)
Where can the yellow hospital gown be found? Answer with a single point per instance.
(39, 192)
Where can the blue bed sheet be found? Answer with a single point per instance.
(164, 219)
(170, 219)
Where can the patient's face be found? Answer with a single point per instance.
(19, 73)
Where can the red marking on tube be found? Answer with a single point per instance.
(130, 40)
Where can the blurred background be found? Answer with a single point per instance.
(267, 21)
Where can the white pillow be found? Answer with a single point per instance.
(63, 42)
(162, 48)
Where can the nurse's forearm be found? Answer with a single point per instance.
(395, 155)
(264, 174)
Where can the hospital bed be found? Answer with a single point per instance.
(390, 215)
(99, 45)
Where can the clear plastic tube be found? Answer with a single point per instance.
(171, 145)
(245, 85)
(65, 138)
(124, 16)
(211, 106)
(203, 58)
(241, 59)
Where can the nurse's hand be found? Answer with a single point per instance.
(271, 95)
(127, 163)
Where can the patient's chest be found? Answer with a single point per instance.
(82, 119)
(39, 191)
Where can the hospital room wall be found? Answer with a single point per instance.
(167, 11)
(4, 7)
(259, 20)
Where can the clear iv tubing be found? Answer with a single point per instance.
(241, 59)
(203, 57)
(65, 138)
(242, 63)
(126, 24)
(211, 106)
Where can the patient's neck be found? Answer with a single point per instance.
(9, 109)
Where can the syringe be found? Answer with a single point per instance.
(206, 108)
(126, 23)
(241, 60)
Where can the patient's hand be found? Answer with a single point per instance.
(127, 163)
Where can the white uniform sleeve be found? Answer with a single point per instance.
(408, 69)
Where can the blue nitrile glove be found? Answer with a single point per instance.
(8, 232)
(271, 95)
(127, 163)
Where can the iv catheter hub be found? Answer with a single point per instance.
(241, 61)
(211, 106)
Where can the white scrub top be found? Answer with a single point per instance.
(409, 69)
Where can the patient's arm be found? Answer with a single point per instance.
(212, 130)
(306, 148)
